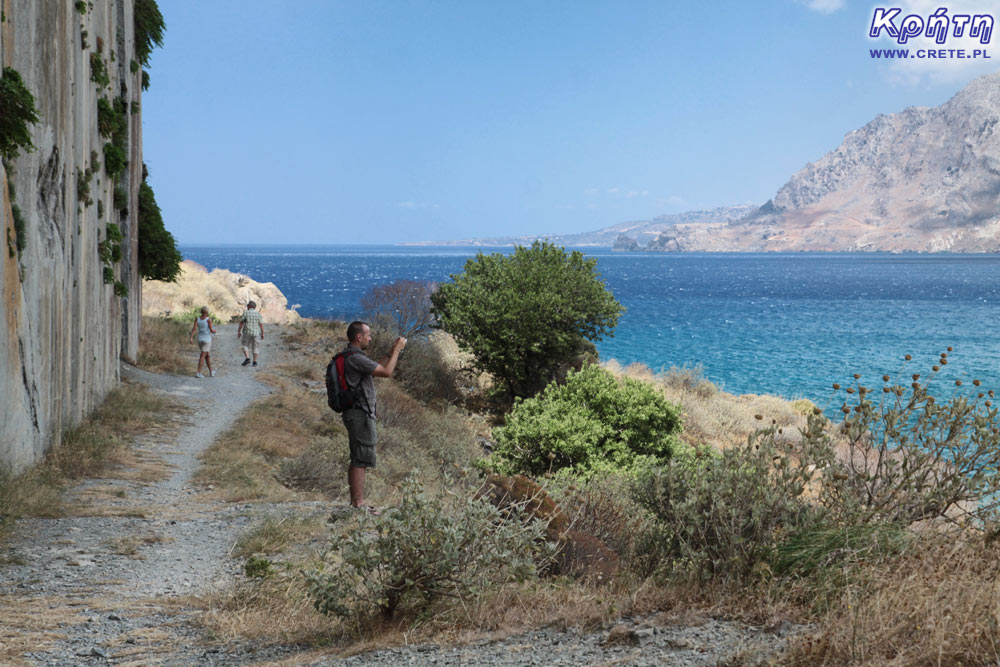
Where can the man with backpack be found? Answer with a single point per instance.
(351, 389)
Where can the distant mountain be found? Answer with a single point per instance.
(921, 180)
(924, 179)
(644, 232)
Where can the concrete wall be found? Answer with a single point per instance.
(64, 328)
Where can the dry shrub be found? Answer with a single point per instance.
(715, 418)
(604, 507)
(580, 553)
(938, 604)
(164, 346)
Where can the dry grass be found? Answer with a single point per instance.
(164, 346)
(714, 417)
(939, 604)
(27, 624)
(95, 447)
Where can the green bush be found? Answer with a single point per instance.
(109, 121)
(723, 515)
(159, 258)
(523, 316)
(17, 111)
(592, 422)
(115, 159)
(424, 550)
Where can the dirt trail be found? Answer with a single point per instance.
(110, 584)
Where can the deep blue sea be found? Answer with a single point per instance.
(785, 324)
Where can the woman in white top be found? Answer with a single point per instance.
(203, 325)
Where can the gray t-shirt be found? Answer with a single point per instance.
(358, 369)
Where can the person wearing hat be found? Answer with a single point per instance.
(250, 332)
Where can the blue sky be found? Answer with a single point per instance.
(371, 121)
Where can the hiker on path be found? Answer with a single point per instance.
(251, 332)
(203, 326)
(360, 419)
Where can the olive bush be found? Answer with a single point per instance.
(525, 315)
(426, 549)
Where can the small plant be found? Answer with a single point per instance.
(99, 70)
(258, 567)
(425, 550)
(83, 186)
(115, 159)
(81, 6)
(17, 112)
(100, 209)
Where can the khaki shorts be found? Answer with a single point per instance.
(205, 345)
(251, 343)
(361, 437)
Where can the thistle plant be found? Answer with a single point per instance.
(911, 457)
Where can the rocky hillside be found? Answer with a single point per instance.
(68, 273)
(225, 293)
(644, 233)
(924, 179)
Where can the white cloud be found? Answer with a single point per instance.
(917, 71)
(824, 6)
(407, 204)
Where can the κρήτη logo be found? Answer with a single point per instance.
(939, 26)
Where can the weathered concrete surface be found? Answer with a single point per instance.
(64, 328)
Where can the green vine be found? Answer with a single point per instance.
(112, 121)
(110, 253)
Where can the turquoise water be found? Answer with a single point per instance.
(785, 324)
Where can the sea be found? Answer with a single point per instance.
(784, 324)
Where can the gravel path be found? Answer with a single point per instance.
(113, 585)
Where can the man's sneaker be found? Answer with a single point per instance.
(212, 373)
(246, 362)
(198, 375)
(255, 363)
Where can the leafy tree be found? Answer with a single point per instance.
(159, 258)
(524, 315)
(592, 422)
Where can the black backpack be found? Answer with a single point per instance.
(339, 395)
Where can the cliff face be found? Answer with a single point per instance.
(924, 179)
(65, 327)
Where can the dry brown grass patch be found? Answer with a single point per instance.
(164, 346)
(939, 604)
(27, 624)
(715, 417)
